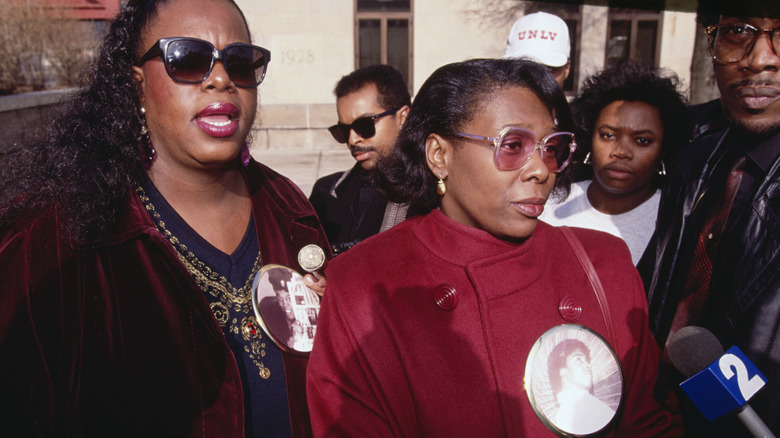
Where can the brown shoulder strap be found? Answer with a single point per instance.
(587, 266)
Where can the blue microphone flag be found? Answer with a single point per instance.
(725, 385)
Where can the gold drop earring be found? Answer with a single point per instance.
(441, 189)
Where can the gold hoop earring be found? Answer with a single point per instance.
(587, 159)
(662, 170)
(441, 189)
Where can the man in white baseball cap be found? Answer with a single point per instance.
(543, 38)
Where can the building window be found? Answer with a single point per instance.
(633, 34)
(383, 35)
(570, 13)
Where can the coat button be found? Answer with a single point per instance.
(446, 297)
(569, 309)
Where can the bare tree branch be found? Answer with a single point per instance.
(500, 13)
(40, 47)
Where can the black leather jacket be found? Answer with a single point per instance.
(335, 199)
(743, 306)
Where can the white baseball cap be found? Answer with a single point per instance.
(541, 37)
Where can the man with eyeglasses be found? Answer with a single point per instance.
(372, 104)
(718, 231)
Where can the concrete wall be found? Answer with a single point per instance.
(593, 41)
(22, 116)
(311, 44)
(679, 34)
(448, 31)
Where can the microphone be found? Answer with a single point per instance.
(718, 383)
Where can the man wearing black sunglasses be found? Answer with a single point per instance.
(372, 105)
(717, 245)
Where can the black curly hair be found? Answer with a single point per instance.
(88, 160)
(634, 82)
(449, 99)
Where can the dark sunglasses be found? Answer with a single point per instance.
(514, 146)
(363, 126)
(190, 60)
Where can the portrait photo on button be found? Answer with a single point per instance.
(286, 309)
(573, 381)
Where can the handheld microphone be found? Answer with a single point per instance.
(718, 383)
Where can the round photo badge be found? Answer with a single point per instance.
(286, 309)
(574, 381)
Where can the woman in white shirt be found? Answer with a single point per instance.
(631, 119)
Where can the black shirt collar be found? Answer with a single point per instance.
(764, 152)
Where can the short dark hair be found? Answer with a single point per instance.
(449, 99)
(708, 12)
(557, 360)
(634, 82)
(739, 8)
(392, 90)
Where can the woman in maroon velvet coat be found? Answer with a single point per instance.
(129, 239)
(426, 329)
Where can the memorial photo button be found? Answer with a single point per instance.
(311, 257)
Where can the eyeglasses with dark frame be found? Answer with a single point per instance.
(729, 43)
(363, 126)
(190, 60)
(514, 146)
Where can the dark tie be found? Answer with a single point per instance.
(697, 285)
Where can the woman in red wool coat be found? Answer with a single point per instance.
(445, 325)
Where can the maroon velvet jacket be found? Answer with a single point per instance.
(118, 340)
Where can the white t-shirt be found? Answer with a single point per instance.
(635, 227)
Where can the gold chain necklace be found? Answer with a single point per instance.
(228, 298)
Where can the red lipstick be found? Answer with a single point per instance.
(218, 119)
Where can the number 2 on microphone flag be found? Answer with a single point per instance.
(725, 385)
